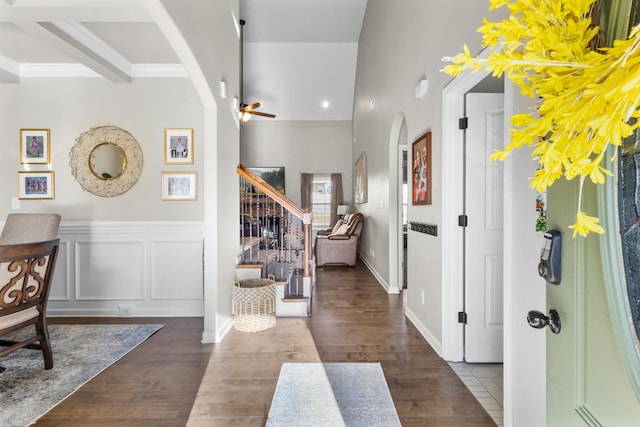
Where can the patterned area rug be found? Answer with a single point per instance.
(80, 352)
(332, 394)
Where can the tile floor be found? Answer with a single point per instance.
(484, 380)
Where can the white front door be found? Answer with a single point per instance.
(484, 200)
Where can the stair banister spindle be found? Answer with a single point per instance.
(278, 232)
(259, 222)
(243, 195)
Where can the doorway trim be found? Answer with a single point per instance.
(397, 138)
(452, 206)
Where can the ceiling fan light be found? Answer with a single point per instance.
(245, 117)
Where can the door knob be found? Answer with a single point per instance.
(538, 320)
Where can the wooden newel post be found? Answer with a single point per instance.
(307, 221)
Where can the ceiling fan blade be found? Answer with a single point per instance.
(259, 113)
(250, 107)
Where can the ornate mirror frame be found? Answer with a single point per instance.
(81, 152)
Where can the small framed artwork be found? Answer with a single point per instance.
(272, 176)
(34, 146)
(179, 185)
(178, 146)
(421, 170)
(35, 185)
(360, 185)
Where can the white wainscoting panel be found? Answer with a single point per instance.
(109, 270)
(139, 269)
(60, 285)
(174, 275)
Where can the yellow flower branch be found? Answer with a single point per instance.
(587, 97)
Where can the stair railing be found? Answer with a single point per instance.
(278, 205)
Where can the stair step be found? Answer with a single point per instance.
(292, 298)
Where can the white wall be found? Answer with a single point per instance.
(112, 248)
(70, 106)
(299, 146)
(205, 35)
(400, 44)
(524, 289)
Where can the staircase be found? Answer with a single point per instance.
(275, 242)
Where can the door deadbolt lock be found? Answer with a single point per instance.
(549, 266)
(538, 320)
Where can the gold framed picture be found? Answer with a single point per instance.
(360, 183)
(421, 170)
(178, 146)
(179, 185)
(34, 146)
(36, 185)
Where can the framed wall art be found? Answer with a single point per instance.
(178, 146)
(273, 176)
(179, 185)
(421, 170)
(36, 185)
(34, 146)
(360, 183)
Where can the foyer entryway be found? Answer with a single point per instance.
(485, 381)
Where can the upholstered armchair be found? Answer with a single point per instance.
(28, 253)
(340, 246)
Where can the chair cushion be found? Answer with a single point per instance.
(25, 228)
(18, 317)
(342, 229)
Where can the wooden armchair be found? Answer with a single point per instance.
(28, 252)
(26, 271)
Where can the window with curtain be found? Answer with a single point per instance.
(322, 193)
(321, 200)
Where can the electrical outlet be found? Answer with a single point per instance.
(125, 310)
(422, 295)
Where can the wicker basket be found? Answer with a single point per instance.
(254, 304)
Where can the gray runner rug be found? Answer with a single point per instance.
(80, 352)
(332, 394)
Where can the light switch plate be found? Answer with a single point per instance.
(15, 203)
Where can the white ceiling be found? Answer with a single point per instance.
(298, 53)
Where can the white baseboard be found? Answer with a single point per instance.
(379, 278)
(424, 331)
(217, 336)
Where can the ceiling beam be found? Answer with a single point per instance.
(72, 10)
(85, 47)
(9, 70)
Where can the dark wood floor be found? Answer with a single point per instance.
(174, 380)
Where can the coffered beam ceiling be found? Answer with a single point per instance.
(41, 38)
(299, 54)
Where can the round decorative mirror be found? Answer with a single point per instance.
(106, 161)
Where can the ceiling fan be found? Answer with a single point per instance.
(246, 110)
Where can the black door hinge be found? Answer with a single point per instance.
(462, 317)
(463, 123)
(462, 220)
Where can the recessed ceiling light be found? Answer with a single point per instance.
(325, 104)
